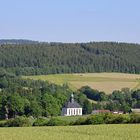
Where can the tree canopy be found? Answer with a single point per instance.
(46, 58)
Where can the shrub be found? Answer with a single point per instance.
(41, 122)
(80, 121)
(57, 122)
(95, 119)
(2, 123)
(20, 122)
(135, 118)
(117, 119)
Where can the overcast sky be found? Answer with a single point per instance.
(70, 20)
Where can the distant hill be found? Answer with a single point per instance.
(16, 41)
(24, 57)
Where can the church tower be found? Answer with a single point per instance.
(72, 98)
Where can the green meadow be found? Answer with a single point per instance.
(106, 82)
(91, 132)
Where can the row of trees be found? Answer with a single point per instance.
(122, 100)
(46, 58)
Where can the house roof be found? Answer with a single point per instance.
(71, 103)
(101, 111)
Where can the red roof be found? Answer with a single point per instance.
(101, 111)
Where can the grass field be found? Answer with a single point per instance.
(91, 132)
(102, 81)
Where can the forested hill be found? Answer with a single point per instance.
(17, 41)
(46, 58)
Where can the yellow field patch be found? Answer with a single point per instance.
(107, 87)
(106, 82)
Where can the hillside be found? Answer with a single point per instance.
(107, 82)
(17, 41)
(51, 58)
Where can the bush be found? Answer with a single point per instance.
(95, 119)
(57, 122)
(20, 122)
(41, 122)
(2, 123)
(117, 119)
(80, 121)
(135, 118)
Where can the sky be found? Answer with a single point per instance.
(70, 20)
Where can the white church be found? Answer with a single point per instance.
(71, 108)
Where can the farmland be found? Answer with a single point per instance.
(97, 132)
(106, 82)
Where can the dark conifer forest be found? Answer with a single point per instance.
(34, 58)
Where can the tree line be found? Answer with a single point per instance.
(51, 58)
(120, 100)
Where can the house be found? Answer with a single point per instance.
(136, 110)
(100, 111)
(71, 108)
(117, 112)
(106, 111)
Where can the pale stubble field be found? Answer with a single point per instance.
(106, 82)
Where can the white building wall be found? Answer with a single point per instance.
(67, 112)
(80, 113)
(71, 112)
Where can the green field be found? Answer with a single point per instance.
(91, 132)
(101, 81)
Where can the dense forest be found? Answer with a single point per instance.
(36, 58)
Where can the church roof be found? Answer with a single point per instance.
(72, 103)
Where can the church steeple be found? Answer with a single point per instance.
(72, 98)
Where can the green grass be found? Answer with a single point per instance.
(101, 81)
(91, 132)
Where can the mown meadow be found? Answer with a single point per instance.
(90, 132)
(106, 82)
